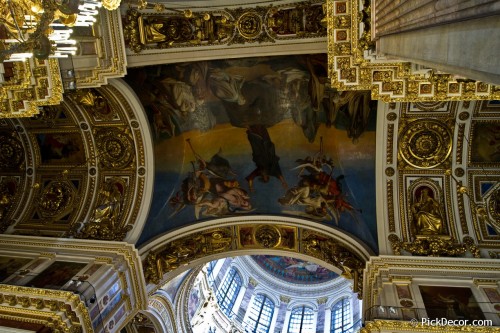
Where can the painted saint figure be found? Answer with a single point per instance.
(427, 215)
(264, 156)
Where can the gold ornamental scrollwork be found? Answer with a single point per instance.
(435, 246)
(349, 42)
(183, 250)
(56, 198)
(145, 30)
(115, 148)
(250, 25)
(11, 151)
(94, 103)
(425, 144)
(328, 249)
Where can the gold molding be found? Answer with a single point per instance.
(60, 310)
(378, 268)
(434, 246)
(35, 83)
(125, 251)
(388, 81)
(110, 65)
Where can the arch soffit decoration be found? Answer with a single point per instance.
(144, 146)
(103, 177)
(168, 255)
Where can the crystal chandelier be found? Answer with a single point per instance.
(33, 34)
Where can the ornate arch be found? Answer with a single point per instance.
(191, 246)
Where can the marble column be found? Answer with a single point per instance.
(245, 302)
(320, 325)
(222, 272)
(281, 314)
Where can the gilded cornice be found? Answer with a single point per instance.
(59, 310)
(399, 267)
(349, 44)
(104, 252)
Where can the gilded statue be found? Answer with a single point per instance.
(427, 216)
(170, 30)
(109, 205)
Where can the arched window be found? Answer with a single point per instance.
(341, 317)
(228, 292)
(260, 315)
(301, 320)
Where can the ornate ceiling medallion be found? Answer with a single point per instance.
(425, 144)
(115, 148)
(11, 152)
(250, 25)
(268, 236)
(56, 198)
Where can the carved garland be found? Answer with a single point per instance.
(434, 246)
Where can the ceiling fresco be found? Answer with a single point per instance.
(258, 136)
(294, 270)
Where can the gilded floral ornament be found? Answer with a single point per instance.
(115, 148)
(145, 30)
(425, 144)
(434, 246)
(93, 230)
(250, 25)
(94, 103)
(11, 151)
(328, 249)
(57, 197)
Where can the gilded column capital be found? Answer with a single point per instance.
(322, 300)
(252, 282)
(284, 299)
